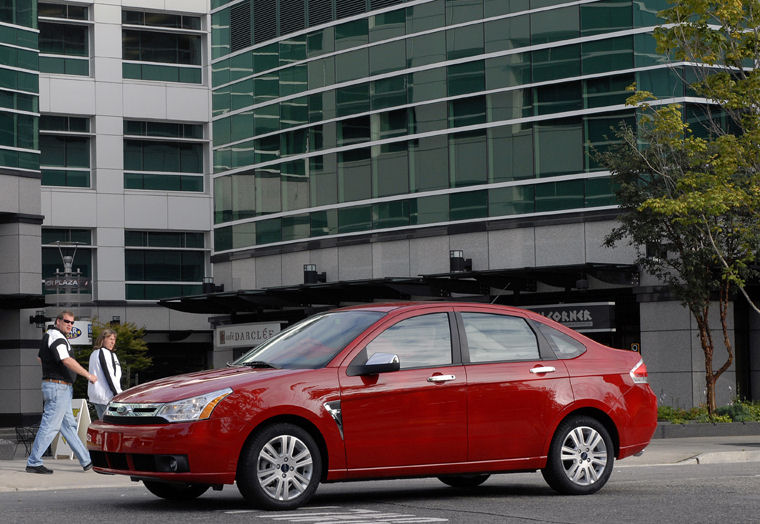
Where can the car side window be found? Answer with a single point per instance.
(564, 346)
(492, 338)
(422, 341)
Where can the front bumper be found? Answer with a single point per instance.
(200, 452)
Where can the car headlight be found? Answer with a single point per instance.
(195, 408)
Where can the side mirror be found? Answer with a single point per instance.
(377, 363)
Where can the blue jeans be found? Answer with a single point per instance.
(100, 409)
(57, 416)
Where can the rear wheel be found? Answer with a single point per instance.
(580, 458)
(464, 481)
(279, 468)
(175, 491)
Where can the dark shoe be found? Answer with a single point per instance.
(39, 469)
(87, 467)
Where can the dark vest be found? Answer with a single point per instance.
(52, 367)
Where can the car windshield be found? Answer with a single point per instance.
(311, 343)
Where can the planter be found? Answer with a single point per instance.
(701, 429)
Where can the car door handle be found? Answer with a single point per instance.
(543, 369)
(441, 378)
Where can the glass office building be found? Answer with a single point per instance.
(337, 117)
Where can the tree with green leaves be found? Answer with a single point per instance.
(131, 350)
(695, 193)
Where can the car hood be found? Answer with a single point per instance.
(179, 387)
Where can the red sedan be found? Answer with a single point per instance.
(452, 390)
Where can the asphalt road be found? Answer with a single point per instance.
(690, 493)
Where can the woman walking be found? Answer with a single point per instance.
(105, 366)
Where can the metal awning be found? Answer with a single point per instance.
(298, 301)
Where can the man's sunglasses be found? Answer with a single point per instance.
(67, 321)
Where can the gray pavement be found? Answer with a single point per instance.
(68, 474)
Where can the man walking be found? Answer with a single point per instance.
(59, 369)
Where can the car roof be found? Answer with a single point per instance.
(394, 306)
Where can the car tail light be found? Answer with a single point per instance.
(639, 373)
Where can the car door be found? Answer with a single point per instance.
(514, 393)
(416, 415)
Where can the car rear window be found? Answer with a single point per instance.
(563, 345)
(494, 338)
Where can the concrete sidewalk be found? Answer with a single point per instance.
(68, 474)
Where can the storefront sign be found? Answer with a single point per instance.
(248, 335)
(585, 318)
(67, 283)
(81, 333)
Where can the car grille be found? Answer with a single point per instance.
(133, 414)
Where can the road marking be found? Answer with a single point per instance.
(352, 516)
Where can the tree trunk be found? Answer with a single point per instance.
(705, 338)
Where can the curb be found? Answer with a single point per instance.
(698, 429)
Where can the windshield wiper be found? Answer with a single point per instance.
(259, 364)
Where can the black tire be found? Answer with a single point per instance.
(580, 458)
(267, 477)
(464, 481)
(175, 491)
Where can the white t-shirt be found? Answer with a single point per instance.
(109, 376)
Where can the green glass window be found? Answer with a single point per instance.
(241, 126)
(663, 83)
(324, 222)
(507, 105)
(507, 33)
(240, 94)
(388, 92)
(503, 7)
(268, 190)
(163, 265)
(293, 80)
(464, 41)
(352, 99)
(554, 25)
(505, 201)
(51, 259)
(468, 205)
(292, 50)
(390, 168)
(391, 214)
(428, 117)
(560, 195)
(265, 58)
(294, 112)
(645, 53)
(645, 13)
(269, 231)
(600, 192)
(352, 65)
(266, 87)
(240, 66)
(354, 175)
(387, 25)
(467, 158)
(323, 180)
(429, 163)
(558, 147)
(430, 210)
(423, 17)
(267, 119)
(352, 219)
(320, 42)
(600, 134)
(426, 49)
(353, 130)
(153, 46)
(508, 71)
(427, 85)
(352, 34)
(556, 98)
(295, 227)
(610, 90)
(63, 39)
(388, 57)
(556, 62)
(507, 158)
(321, 72)
(467, 111)
(469, 77)
(458, 11)
(606, 16)
(220, 34)
(612, 54)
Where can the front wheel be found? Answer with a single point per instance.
(580, 458)
(279, 468)
(175, 491)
